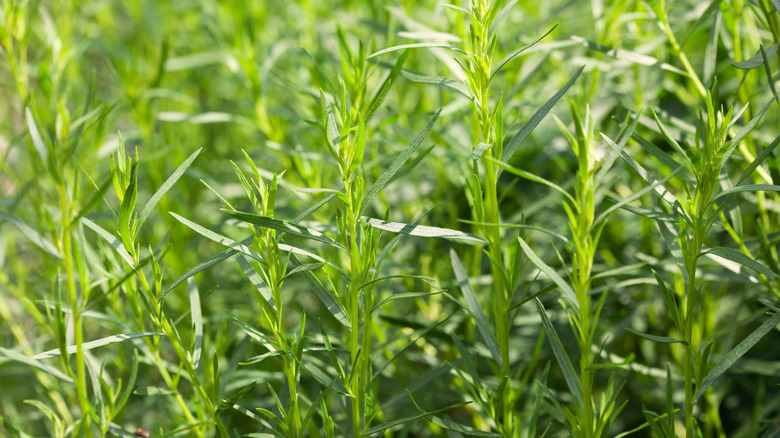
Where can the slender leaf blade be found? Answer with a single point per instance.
(166, 186)
(34, 236)
(550, 272)
(424, 231)
(535, 119)
(474, 307)
(732, 356)
(385, 178)
(560, 354)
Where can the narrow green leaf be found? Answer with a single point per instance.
(424, 231)
(732, 356)
(283, 226)
(35, 135)
(659, 339)
(302, 252)
(742, 259)
(756, 61)
(380, 95)
(416, 46)
(629, 56)
(27, 360)
(474, 307)
(531, 124)
(744, 132)
(197, 321)
(665, 194)
(550, 272)
(757, 162)
(500, 17)
(448, 424)
(166, 186)
(111, 239)
(531, 177)
(517, 52)
(439, 81)
(31, 234)
(326, 298)
(622, 204)
(301, 268)
(748, 188)
(94, 199)
(478, 151)
(384, 179)
(666, 229)
(86, 346)
(205, 264)
(402, 295)
(560, 354)
(256, 281)
(259, 358)
(390, 424)
(222, 240)
(152, 391)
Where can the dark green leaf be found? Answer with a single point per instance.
(531, 124)
(385, 178)
(732, 356)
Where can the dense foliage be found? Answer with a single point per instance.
(357, 218)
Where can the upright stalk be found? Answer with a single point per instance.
(75, 303)
(489, 127)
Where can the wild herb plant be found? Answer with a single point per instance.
(695, 214)
(346, 312)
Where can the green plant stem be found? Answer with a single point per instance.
(500, 300)
(173, 337)
(67, 255)
(357, 354)
(691, 256)
(681, 55)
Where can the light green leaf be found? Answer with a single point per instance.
(256, 281)
(549, 272)
(31, 234)
(629, 56)
(756, 61)
(152, 391)
(86, 346)
(197, 321)
(27, 360)
(222, 240)
(37, 140)
(439, 81)
(283, 226)
(748, 188)
(416, 46)
(731, 145)
(402, 295)
(326, 297)
(759, 159)
(111, 239)
(424, 231)
(531, 177)
(742, 259)
(165, 187)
